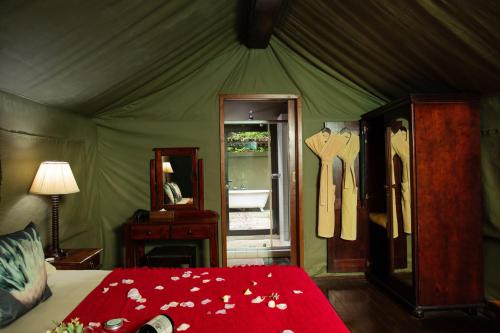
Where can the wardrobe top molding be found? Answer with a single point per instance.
(470, 98)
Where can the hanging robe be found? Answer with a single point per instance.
(395, 230)
(349, 189)
(326, 146)
(401, 146)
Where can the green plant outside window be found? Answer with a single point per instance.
(250, 141)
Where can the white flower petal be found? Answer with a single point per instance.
(127, 281)
(247, 292)
(164, 307)
(140, 307)
(113, 284)
(194, 289)
(270, 275)
(141, 300)
(105, 290)
(282, 306)
(219, 279)
(206, 301)
(229, 306)
(187, 304)
(186, 275)
(206, 281)
(204, 273)
(196, 276)
(258, 300)
(226, 298)
(183, 327)
(222, 311)
(271, 304)
(298, 292)
(175, 278)
(173, 304)
(159, 287)
(94, 324)
(133, 294)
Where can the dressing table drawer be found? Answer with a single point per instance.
(143, 232)
(190, 231)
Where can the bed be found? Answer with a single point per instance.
(196, 299)
(69, 288)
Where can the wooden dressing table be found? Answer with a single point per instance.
(175, 225)
(173, 220)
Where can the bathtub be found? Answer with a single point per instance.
(248, 198)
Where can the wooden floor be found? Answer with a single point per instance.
(366, 309)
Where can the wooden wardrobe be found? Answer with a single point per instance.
(438, 262)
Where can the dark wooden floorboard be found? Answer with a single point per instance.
(366, 309)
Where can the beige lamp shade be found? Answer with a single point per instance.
(54, 177)
(167, 167)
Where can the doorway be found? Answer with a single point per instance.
(260, 180)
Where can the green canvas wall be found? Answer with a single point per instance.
(29, 134)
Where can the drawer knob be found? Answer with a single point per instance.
(190, 232)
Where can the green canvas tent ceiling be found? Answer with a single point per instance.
(91, 56)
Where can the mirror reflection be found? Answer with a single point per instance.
(177, 180)
(398, 147)
(174, 179)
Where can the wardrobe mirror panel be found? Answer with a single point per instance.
(399, 226)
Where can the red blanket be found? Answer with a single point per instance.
(193, 298)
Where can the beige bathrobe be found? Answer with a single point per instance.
(349, 188)
(326, 146)
(400, 146)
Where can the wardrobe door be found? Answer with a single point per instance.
(398, 144)
(374, 192)
(449, 202)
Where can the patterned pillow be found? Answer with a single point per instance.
(23, 279)
(169, 193)
(176, 191)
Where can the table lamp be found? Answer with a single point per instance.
(167, 167)
(54, 178)
(167, 170)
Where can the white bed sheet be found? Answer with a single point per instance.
(69, 288)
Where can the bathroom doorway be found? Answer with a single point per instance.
(260, 180)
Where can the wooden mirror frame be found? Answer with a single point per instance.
(156, 179)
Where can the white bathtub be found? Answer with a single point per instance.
(248, 198)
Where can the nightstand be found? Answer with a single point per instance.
(79, 259)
